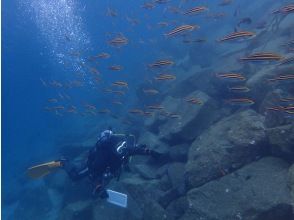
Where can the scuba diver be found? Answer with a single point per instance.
(105, 161)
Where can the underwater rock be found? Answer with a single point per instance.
(34, 203)
(77, 210)
(282, 141)
(146, 194)
(142, 190)
(274, 118)
(153, 123)
(178, 207)
(165, 183)
(194, 118)
(77, 191)
(291, 180)
(145, 171)
(258, 82)
(179, 153)
(227, 145)
(153, 142)
(256, 191)
(175, 173)
(154, 211)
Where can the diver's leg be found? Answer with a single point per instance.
(75, 173)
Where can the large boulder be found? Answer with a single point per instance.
(146, 165)
(227, 145)
(152, 141)
(146, 193)
(194, 118)
(142, 190)
(257, 191)
(281, 139)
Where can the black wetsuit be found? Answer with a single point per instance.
(105, 161)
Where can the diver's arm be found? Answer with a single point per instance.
(142, 149)
(76, 174)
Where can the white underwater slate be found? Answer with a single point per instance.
(117, 198)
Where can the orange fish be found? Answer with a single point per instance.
(103, 55)
(117, 92)
(118, 41)
(194, 101)
(162, 77)
(285, 10)
(262, 56)
(120, 84)
(136, 111)
(181, 30)
(282, 78)
(155, 107)
(196, 10)
(240, 101)
(150, 91)
(239, 89)
(161, 63)
(115, 67)
(240, 35)
(231, 76)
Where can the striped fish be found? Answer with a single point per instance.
(115, 67)
(240, 101)
(136, 111)
(160, 63)
(284, 10)
(282, 78)
(165, 77)
(118, 41)
(231, 76)
(155, 107)
(181, 29)
(262, 56)
(196, 10)
(239, 89)
(287, 61)
(240, 35)
(120, 83)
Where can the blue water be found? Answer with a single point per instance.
(38, 39)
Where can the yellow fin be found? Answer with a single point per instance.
(43, 169)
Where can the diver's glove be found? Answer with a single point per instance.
(100, 191)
